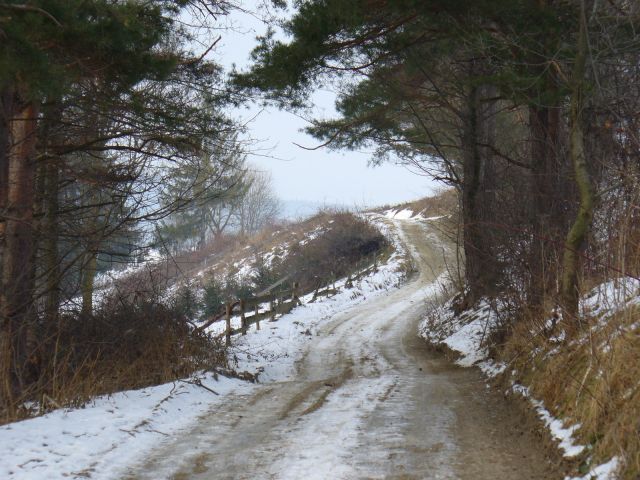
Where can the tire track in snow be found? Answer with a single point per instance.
(368, 401)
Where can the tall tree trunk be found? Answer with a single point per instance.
(48, 201)
(471, 166)
(546, 223)
(6, 100)
(478, 175)
(90, 257)
(576, 238)
(51, 257)
(6, 380)
(16, 296)
(548, 216)
(88, 280)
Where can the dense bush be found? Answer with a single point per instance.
(341, 242)
(216, 293)
(266, 274)
(187, 303)
(334, 252)
(130, 342)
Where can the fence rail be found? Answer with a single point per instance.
(281, 301)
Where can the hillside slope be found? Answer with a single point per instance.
(109, 432)
(366, 399)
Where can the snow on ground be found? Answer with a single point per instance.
(312, 456)
(245, 270)
(103, 437)
(564, 435)
(465, 334)
(611, 297)
(606, 471)
(566, 442)
(313, 234)
(277, 252)
(404, 214)
(106, 279)
(273, 350)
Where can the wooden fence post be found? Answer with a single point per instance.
(272, 309)
(243, 320)
(294, 294)
(227, 318)
(257, 317)
(375, 261)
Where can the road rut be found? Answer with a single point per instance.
(369, 401)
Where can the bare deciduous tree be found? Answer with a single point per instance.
(259, 206)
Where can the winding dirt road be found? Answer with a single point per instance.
(369, 401)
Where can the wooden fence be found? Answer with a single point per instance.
(280, 300)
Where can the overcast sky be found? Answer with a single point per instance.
(322, 176)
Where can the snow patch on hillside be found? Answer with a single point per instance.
(564, 435)
(610, 297)
(404, 214)
(466, 334)
(407, 214)
(605, 471)
(102, 438)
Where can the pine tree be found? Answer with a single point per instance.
(118, 66)
(475, 93)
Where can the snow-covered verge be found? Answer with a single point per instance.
(272, 351)
(467, 334)
(408, 214)
(100, 439)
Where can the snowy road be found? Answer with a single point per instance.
(368, 401)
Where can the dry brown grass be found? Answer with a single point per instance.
(138, 337)
(443, 202)
(221, 254)
(593, 380)
(130, 342)
(341, 241)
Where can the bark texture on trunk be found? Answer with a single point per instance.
(48, 201)
(90, 265)
(576, 238)
(6, 101)
(19, 360)
(51, 257)
(546, 219)
(477, 191)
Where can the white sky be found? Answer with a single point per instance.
(322, 175)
